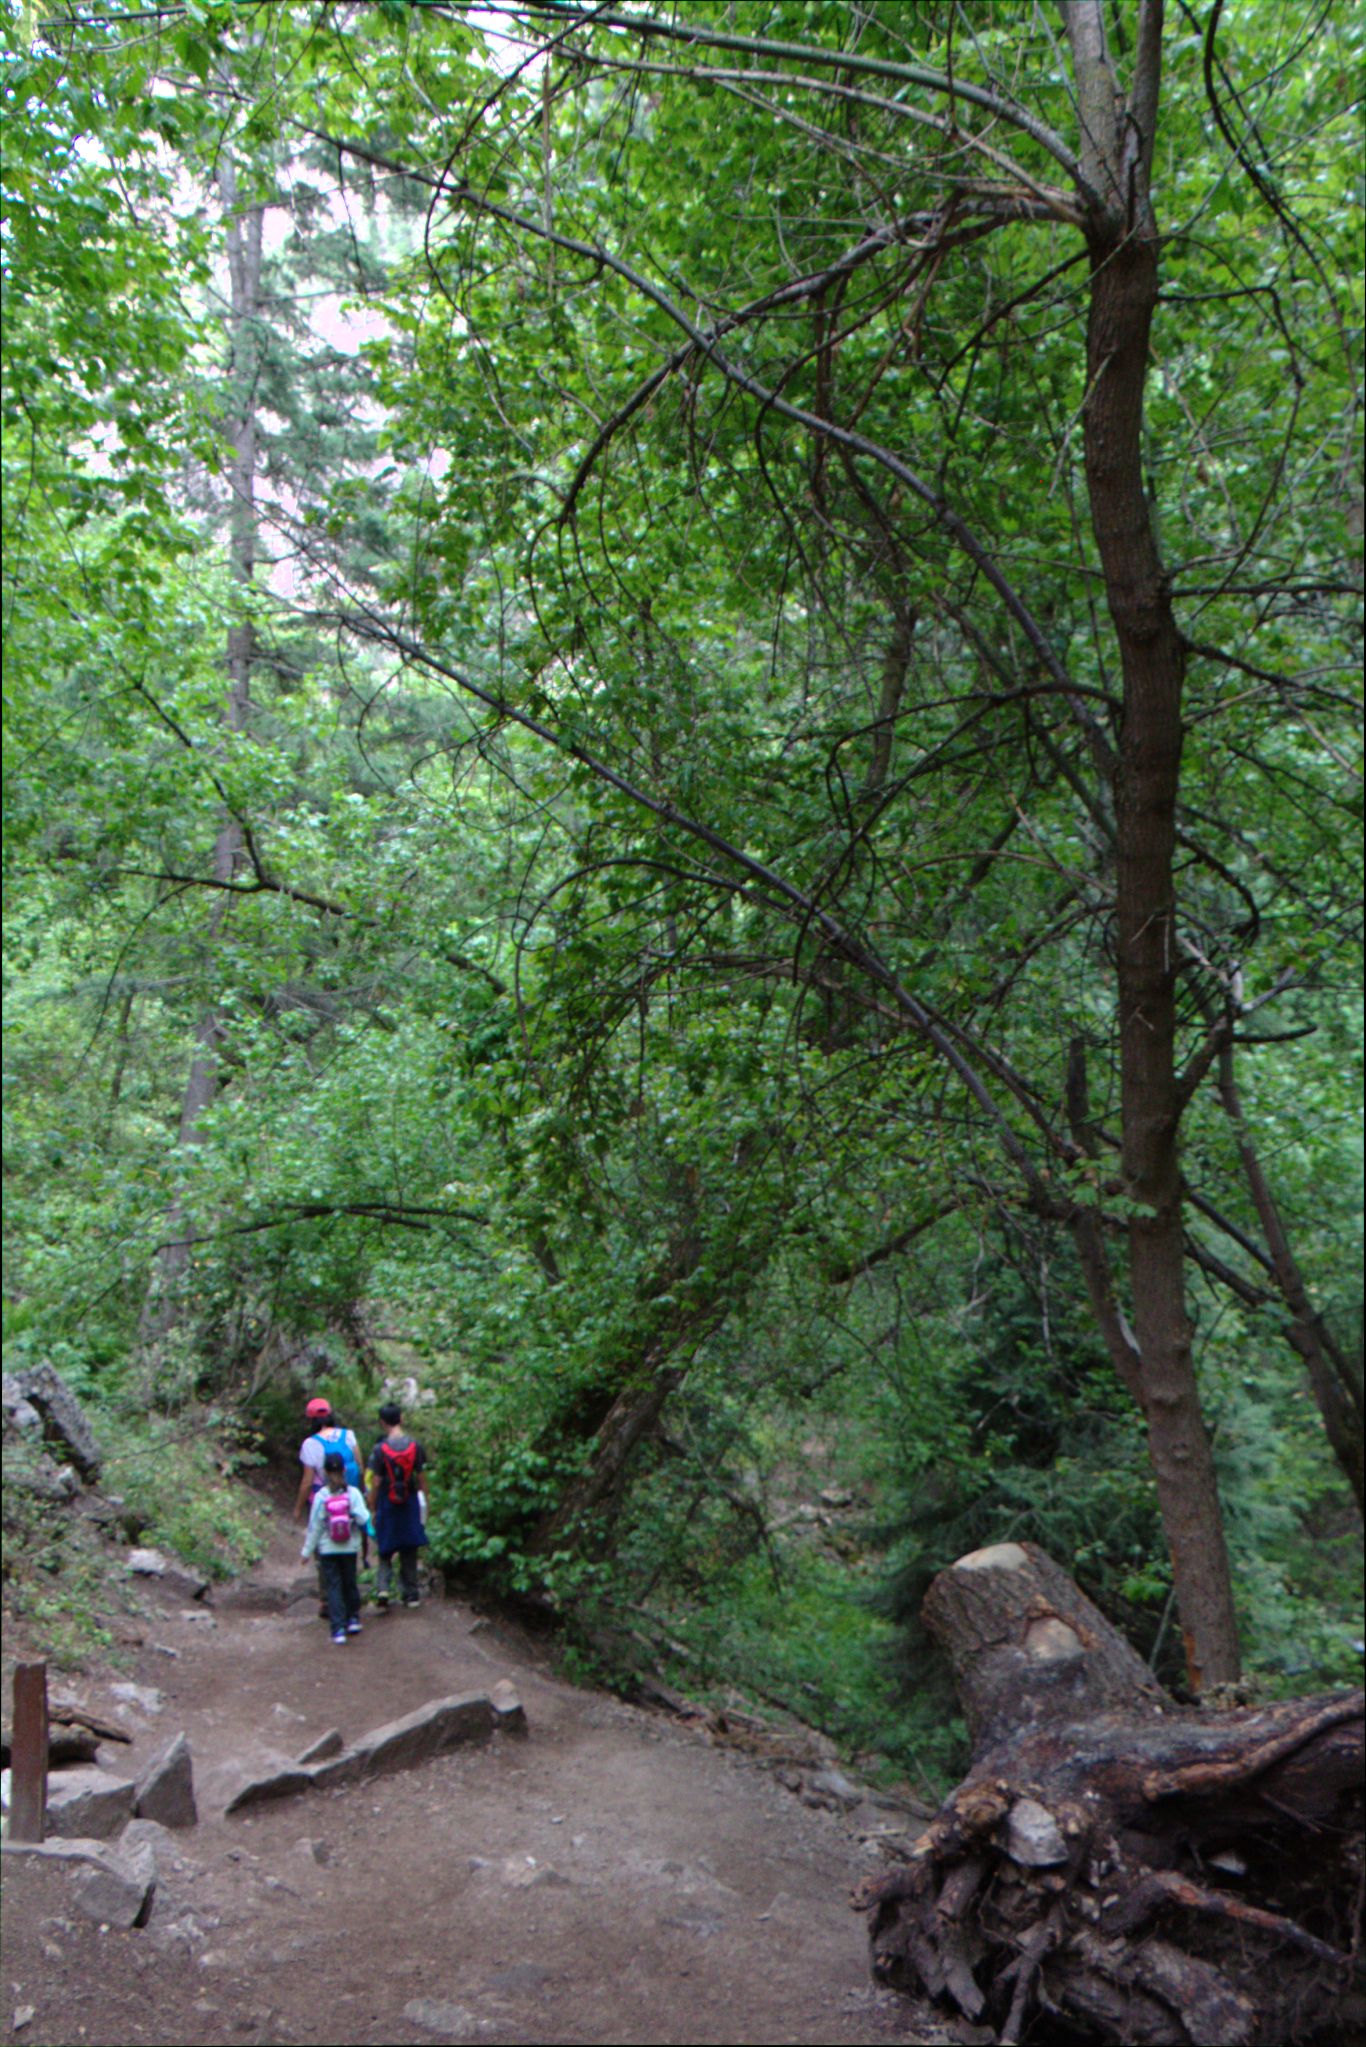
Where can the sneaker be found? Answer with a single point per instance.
(340, 1635)
(412, 1602)
(353, 1627)
(382, 1601)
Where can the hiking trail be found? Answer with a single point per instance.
(612, 1877)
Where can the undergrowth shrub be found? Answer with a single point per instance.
(58, 1576)
(487, 1499)
(181, 1476)
(809, 1643)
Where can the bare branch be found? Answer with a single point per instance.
(1143, 97)
(711, 34)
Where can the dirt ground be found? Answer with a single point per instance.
(610, 1878)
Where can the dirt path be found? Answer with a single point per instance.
(610, 1878)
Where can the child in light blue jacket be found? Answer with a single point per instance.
(335, 1525)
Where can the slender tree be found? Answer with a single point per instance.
(243, 231)
(1124, 759)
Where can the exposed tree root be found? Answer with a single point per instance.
(1116, 1868)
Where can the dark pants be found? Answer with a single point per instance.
(407, 1572)
(343, 1590)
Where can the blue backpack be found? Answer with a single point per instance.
(344, 1451)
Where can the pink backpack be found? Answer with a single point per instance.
(337, 1510)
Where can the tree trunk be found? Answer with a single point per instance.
(653, 1366)
(1336, 1389)
(244, 236)
(1127, 1870)
(1123, 243)
(891, 689)
(583, 1518)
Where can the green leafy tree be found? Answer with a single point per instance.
(841, 712)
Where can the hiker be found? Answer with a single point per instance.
(325, 1433)
(335, 1524)
(394, 1478)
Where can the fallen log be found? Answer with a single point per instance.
(1115, 1867)
(73, 1735)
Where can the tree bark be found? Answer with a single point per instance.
(1123, 243)
(1336, 1389)
(584, 1515)
(892, 687)
(654, 1363)
(1026, 1644)
(1096, 1813)
(244, 238)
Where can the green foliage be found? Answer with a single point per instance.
(58, 1578)
(178, 1476)
(1021, 1434)
(518, 1083)
(811, 1647)
(488, 1506)
(177, 1483)
(1294, 1536)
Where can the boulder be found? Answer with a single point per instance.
(63, 1418)
(151, 1834)
(88, 1803)
(174, 1868)
(165, 1790)
(115, 1886)
(146, 1563)
(19, 1411)
(275, 1783)
(399, 1744)
(165, 1574)
(63, 1854)
(38, 1475)
(329, 1744)
(122, 1892)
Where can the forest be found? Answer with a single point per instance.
(683, 762)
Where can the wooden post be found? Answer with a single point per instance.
(28, 1793)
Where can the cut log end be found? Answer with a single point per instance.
(1116, 1868)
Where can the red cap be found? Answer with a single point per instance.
(316, 1407)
